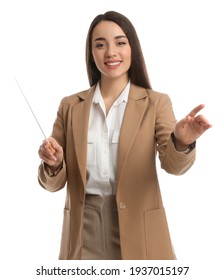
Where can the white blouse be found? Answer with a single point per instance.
(103, 137)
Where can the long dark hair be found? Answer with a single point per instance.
(137, 72)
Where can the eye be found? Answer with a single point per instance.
(121, 43)
(100, 45)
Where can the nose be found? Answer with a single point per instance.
(111, 50)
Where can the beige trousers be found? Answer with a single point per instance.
(101, 229)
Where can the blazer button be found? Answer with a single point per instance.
(122, 206)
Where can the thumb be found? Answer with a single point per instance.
(54, 144)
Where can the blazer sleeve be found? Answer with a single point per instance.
(172, 161)
(58, 181)
(49, 182)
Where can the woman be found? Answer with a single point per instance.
(103, 148)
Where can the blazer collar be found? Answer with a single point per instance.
(136, 93)
(86, 94)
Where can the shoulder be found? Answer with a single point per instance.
(155, 94)
(154, 97)
(158, 97)
(77, 97)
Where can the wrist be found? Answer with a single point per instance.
(181, 147)
(53, 170)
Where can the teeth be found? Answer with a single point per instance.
(113, 63)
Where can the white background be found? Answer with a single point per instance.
(42, 44)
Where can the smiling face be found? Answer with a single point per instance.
(111, 50)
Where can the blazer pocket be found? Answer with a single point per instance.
(65, 236)
(158, 242)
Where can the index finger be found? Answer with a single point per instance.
(197, 109)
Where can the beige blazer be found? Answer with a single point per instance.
(146, 130)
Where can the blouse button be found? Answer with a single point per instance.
(122, 205)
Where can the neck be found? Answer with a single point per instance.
(112, 88)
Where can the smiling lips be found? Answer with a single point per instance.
(113, 64)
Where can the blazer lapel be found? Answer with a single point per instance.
(136, 106)
(80, 121)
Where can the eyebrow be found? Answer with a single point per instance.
(104, 39)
